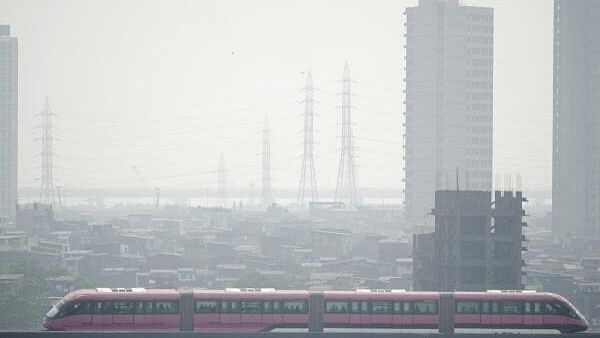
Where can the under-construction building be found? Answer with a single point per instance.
(8, 123)
(476, 245)
(576, 135)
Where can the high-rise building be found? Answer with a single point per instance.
(449, 102)
(8, 122)
(576, 139)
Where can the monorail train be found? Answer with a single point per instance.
(252, 310)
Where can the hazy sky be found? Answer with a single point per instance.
(165, 86)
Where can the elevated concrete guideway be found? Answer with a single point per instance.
(56, 334)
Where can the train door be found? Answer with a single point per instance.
(397, 319)
(490, 313)
(381, 312)
(407, 312)
(359, 312)
(102, 313)
(533, 313)
(206, 312)
(230, 312)
(140, 315)
(251, 312)
(277, 312)
(267, 314)
(337, 312)
(122, 311)
(512, 312)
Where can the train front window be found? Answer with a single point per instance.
(73, 308)
(55, 310)
(556, 308)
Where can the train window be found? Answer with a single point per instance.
(268, 306)
(381, 307)
(398, 307)
(490, 307)
(138, 308)
(467, 307)
(426, 306)
(230, 306)
(276, 306)
(358, 307)
(335, 306)
(250, 306)
(294, 306)
(533, 307)
(77, 308)
(166, 306)
(102, 307)
(122, 307)
(149, 306)
(225, 306)
(556, 308)
(511, 307)
(206, 306)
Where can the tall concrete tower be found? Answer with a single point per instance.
(8, 122)
(449, 103)
(347, 183)
(576, 137)
(308, 175)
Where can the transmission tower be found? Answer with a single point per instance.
(221, 186)
(307, 172)
(48, 188)
(347, 185)
(267, 198)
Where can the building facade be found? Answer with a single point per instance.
(449, 102)
(8, 122)
(476, 245)
(576, 137)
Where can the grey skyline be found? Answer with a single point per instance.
(167, 86)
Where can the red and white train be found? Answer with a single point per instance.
(251, 310)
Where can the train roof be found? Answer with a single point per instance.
(269, 293)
